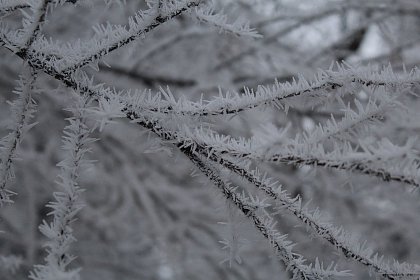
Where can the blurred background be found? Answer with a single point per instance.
(147, 214)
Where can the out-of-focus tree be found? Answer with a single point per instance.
(193, 139)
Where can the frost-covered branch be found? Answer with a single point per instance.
(32, 25)
(326, 85)
(353, 122)
(337, 236)
(342, 240)
(142, 101)
(228, 104)
(22, 110)
(383, 159)
(292, 261)
(338, 143)
(407, 172)
(64, 210)
(7, 6)
(114, 37)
